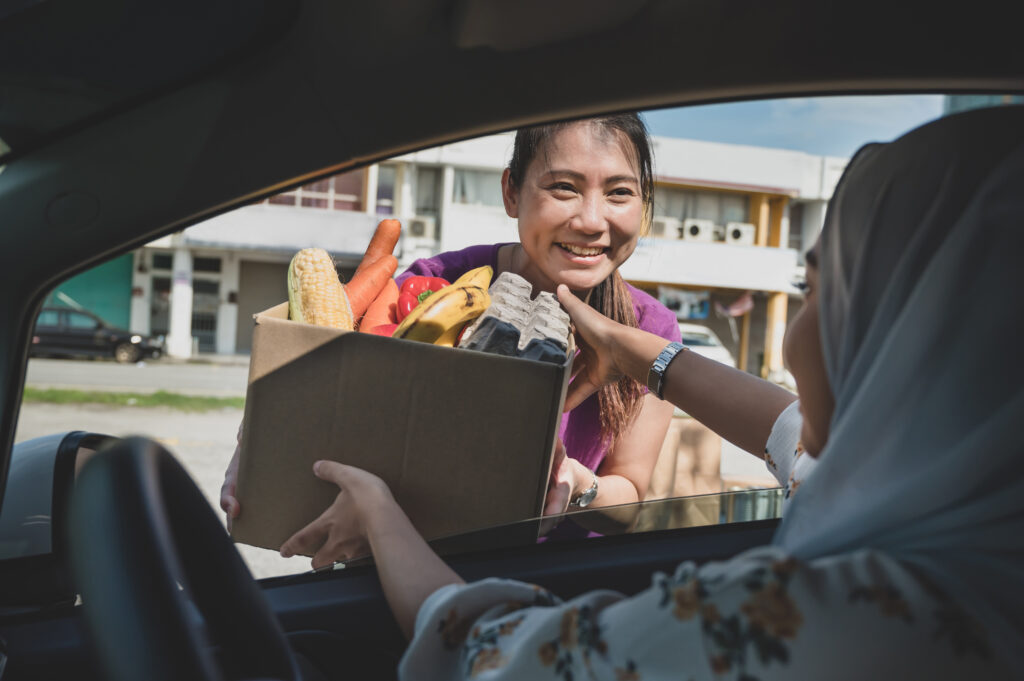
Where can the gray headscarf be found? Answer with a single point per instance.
(921, 308)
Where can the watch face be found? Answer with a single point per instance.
(587, 496)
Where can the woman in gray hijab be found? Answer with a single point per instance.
(901, 550)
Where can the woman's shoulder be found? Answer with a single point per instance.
(652, 316)
(451, 265)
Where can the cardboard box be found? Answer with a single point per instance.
(464, 439)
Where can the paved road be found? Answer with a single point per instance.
(203, 442)
(213, 379)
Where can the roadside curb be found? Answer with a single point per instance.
(220, 360)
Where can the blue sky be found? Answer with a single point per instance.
(828, 126)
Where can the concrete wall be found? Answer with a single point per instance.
(734, 166)
(711, 265)
(286, 229)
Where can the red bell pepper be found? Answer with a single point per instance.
(384, 330)
(414, 291)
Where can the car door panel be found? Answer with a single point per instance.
(340, 621)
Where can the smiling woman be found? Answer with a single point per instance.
(581, 193)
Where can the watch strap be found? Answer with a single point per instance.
(656, 375)
(587, 495)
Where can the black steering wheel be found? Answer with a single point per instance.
(142, 537)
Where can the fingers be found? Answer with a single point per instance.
(586, 319)
(228, 501)
(557, 500)
(579, 363)
(229, 504)
(332, 471)
(573, 305)
(307, 540)
(323, 558)
(558, 455)
(579, 390)
(332, 552)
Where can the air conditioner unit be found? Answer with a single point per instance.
(741, 233)
(663, 226)
(422, 228)
(697, 229)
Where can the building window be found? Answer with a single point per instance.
(720, 207)
(428, 191)
(316, 194)
(341, 192)
(162, 261)
(796, 229)
(478, 188)
(205, 264)
(735, 208)
(386, 176)
(205, 301)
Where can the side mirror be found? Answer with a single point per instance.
(33, 533)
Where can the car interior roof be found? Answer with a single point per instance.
(337, 85)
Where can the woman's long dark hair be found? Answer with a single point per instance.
(619, 402)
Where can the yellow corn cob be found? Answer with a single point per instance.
(315, 294)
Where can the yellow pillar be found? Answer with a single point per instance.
(744, 342)
(776, 211)
(774, 332)
(760, 215)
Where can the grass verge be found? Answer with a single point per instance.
(160, 398)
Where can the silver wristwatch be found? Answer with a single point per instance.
(656, 376)
(587, 495)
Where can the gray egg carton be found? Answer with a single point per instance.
(533, 319)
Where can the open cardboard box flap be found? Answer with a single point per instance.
(463, 439)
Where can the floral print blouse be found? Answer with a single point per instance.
(784, 455)
(762, 615)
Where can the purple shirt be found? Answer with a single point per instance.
(581, 427)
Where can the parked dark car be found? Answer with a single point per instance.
(67, 332)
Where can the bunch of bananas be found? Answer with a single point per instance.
(441, 317)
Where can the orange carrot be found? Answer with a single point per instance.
(383, 243)
(382, 309)
(367, 285)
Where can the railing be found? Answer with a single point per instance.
(712, 265)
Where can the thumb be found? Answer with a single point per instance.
(331, 471)
(590, 324)
(579, 390)
(576, 308)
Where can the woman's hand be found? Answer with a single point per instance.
(608, 350)
(562, 482)
(341, 532)
(568, 478)
(595, 365)
(228, 502)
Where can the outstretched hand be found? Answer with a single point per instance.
(228, 501)
(340, 533)
(595, 365)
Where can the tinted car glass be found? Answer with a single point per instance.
(48, 318)
(239, 267)
(699, 339)
(77, 320)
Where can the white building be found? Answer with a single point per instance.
(729, 219)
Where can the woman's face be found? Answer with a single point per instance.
(579, 208)
(805, 360)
